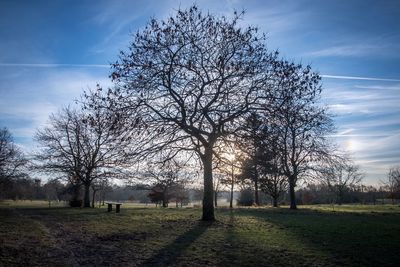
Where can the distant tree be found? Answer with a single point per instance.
(246, 197)
(180, 194)
(158, 195)
(228, 169)
(300, 123)
(166, 177)
(100, 187)
(104, 187)
(54, 190)
(82, 147)
(371, 194)
(341, 176)
(189, 81)
(12, 167)
(218, 177)
(392, 183)
(253, 145)
(12, 160)
(274, 185)
(261, 164)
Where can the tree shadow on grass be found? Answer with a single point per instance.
(170, 253)
(346, 238)
(239, 249)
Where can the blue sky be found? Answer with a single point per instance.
(51, 50)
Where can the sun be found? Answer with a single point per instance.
(353, 145)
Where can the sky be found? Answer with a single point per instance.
(50, 51)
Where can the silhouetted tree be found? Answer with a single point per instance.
(12, 160)
(252, 144)
(246, 197)
(54, 190)
(12, 166)
(262, 165)
(82, 146)
(218, 177)
(166, 176)
(300, 123)
(157, 195)
(342, 176)
(227, 165)
(273, 184)
(189, 81)
(392, 183)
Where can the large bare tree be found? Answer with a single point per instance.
(83, 146)
(187, 82)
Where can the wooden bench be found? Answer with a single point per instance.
(117, 206)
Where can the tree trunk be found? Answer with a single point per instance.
(232, 185)
(292, 194)
(164, 199)
(86, 202)
(256, 198)
(208, 197)
(340, 197)
(93, 197)
(215, 198)
(275, 202)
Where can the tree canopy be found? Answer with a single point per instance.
(188, 81)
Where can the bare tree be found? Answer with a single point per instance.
(227, 165)
(300, 123)
(392, 184)
(166, 177)
(342, 176)
(12, 160)
(82, 146)
(187, 82)
(12, 165)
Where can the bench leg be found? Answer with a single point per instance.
(117, 208)
(109, 208)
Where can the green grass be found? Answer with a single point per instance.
(33, 234)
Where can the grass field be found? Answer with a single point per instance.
(31, 233)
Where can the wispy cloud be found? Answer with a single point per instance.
(375, 154)
(27, 100)
(360, 46)
(345, 50)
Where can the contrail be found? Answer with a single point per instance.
(358, 78)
